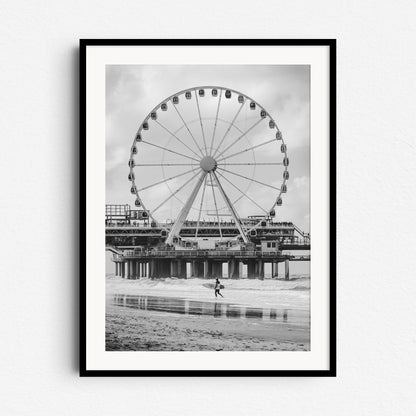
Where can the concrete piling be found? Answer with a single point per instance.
(275, 269)
(251, 269)
(287, 269)
(234, 267)
(260, 269)
(207, 269)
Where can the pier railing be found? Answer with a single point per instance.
(209, 254)
(194, 224)
(200, 253)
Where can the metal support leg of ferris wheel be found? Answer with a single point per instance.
(185, 211)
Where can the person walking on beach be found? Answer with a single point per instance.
(218, 288)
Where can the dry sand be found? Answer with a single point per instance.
(133, 329)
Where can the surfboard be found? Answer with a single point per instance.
(212, 286)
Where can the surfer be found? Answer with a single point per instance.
(218, 288)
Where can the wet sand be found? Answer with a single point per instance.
(145, 321)
(130, 329)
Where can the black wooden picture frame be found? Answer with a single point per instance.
(331, 44)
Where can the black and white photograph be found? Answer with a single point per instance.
(207, 208)
(206, 166)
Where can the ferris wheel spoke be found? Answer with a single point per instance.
(247, 150)
(231, 209)
(243, 194)
(200, 122)
(229, 128)
(215, 124)
(216, 207)
(164, 164)
(250, 179)
(169, 150)
(176, 137)
(254, 164)
(200, 206)
(174, 193)
(166, 180)
(187, 128)
(240, 137)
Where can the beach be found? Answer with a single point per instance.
(184, 315)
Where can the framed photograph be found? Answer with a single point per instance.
(208, 207)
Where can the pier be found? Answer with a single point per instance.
(140, 249)
(202, 264)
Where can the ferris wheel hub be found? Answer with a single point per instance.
(208, 164)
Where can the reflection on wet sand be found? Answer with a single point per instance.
(194, 307)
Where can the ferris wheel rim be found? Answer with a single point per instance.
(210, 87)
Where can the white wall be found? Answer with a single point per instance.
(376, 207)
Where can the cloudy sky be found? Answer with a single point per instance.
(283, 91)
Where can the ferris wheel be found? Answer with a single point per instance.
(208, 154)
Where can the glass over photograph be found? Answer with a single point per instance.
(207, 215)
